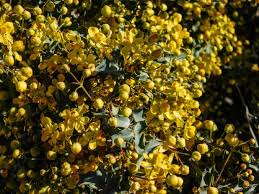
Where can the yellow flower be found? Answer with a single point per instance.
(92, 31)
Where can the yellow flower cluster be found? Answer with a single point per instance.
(110, 87)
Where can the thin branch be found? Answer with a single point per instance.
(248, 116)
(223, 167)
(81, 85)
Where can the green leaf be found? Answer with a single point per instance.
(153, 143)
(203, 183)
(115, 110)
(254, 167)
(251, 189)
(138, 115)
(138, 128)
(123, 122)
(138, 131)
(143, 76)
(181, 56)
(127, 134)
(101, 66)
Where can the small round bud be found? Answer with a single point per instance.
(172, 180)
(61, 85)
(51, 155)
(119, 141)
(196, 156)
(212, 190)
(106, 11)
(73, 96)
(98, 103)
(126, 112)
(21, 86)
(202, 148)
(76, 148)
(113, 122)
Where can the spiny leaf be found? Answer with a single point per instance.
(138, 115)
(151, 145)
(123, 122)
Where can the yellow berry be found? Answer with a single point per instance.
(252, 141)
(135, 186)
(232, 139)
(21, 86)
(87, 72)
(185, 170)
(27, 71)
(66, 169)
(106, 11)
(153, 188)
(210, 125)
(150, 84)
(175, 169)
(9, 60)
(18, 46)
(124, 95)
(98, 103)
(246, 184)
(21, 112)
(18, 9)
(125, 87)
(61, 85)
(180, 182)
(106, 28)
(50, 6)
(51, 155)
(172, 180)
(16, 153)
(181, 142)
(63, 10)
(26, 15)
(212, 190)
(68, 2)
(196, 156)
(35, 40)
(112, 159)
(202, 148)
(126, 112)
(229, 128)
(163, 7)
(67, 21)
(251, 178)
(134, 155)
(37, 10)
(21, 173)
(73, 96)
(133, 168)
(245, 157)
(113, 122)
(76, 148)
(171, 140)
(119, 141)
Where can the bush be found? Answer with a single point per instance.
(128, 96)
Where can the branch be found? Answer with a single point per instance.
(223, 167)
(248, 116)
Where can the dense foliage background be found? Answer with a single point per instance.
(129, 96)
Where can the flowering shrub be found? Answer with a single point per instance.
(107, 97)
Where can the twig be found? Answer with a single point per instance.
(223, 167)
(80, 85)
(248, 117)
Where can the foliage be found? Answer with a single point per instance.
(128, 96)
